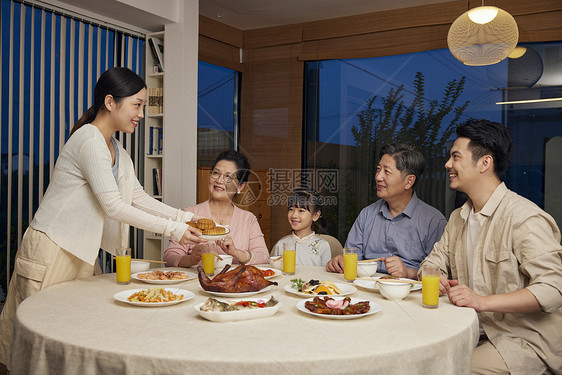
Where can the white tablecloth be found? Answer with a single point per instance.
(78, 328)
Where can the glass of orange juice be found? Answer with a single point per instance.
(208, 258)
(123, 265)
(289, 258)
(430, 286)
(350, 263)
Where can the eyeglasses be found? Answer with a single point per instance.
(228, 178)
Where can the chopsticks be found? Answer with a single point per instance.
(218, 256)
(392, 280)
(369, 260)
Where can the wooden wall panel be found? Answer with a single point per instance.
(407, 18)
(218, 53)
(271, 114)
(273, 36)
(220, 32)
(384, 43)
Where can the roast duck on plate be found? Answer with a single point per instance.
(239, 280)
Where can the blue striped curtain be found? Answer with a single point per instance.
(50, 64)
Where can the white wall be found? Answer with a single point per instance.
(180, 107)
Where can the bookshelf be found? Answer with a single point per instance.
(154, 123)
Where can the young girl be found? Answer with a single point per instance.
(92, 198)
(304, 208)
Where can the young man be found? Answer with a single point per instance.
(399, 227)
(504, 257)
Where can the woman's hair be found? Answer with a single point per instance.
(311, 201)
(242, 164)
(117, 82)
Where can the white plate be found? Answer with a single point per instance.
(220, 294)
(372, 284)
(163, 282)
(124, 297)
(277, 272)
(345, 290)
(232, 316)
(218, 236)
(374, 308)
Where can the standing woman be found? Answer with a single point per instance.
(93, 180)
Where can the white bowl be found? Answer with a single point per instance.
(278, 264)
(220, 264)
(139, 266)
(394, 291)
(367, 269)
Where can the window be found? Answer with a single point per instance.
(354, 106)
(50, 64)
(217, 112)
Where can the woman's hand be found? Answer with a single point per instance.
(192, 258)
(227, 245)
(192, 236)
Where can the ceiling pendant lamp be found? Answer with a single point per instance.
(483, 36)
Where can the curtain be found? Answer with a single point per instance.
(50, 64)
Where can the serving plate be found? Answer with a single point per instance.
(371, 283)
(277, 272)
(163, 282)
(217, 237)
(346, 289)
(244, 294)
(374, 308)
(232, 316)
(124, 295)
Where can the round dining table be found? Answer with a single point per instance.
(77, 327)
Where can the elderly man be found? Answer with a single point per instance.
(504, 257)
(399, 228)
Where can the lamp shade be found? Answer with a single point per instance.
(483, 36)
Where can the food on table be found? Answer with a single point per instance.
(242, 279)
(329, 306)
(297, 284)
(154, 295)
(268, 272)
(387, 277)
(214, 231)
(163, 275)
(215, 305)
(315, 287)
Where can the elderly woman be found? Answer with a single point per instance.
(246, 242)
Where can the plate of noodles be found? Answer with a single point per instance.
(153, 297)
(164, 276)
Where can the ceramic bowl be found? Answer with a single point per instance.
(220, 264)
(393, 290)
(367, 269)
(278, 264)
(139, 266)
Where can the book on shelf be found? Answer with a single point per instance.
(157, 181)
(155, 138)
(157, 49)
(155, 101)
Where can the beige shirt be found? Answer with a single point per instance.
(83, 193)
(518, 247)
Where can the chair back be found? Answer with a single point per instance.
(335, 245)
